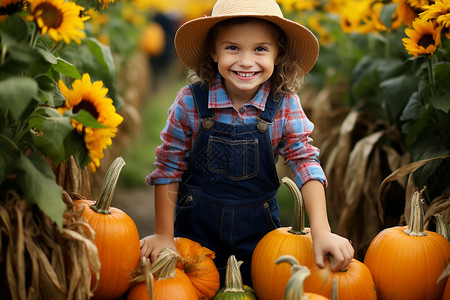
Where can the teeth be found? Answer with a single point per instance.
(245, 74)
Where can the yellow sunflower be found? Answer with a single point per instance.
(91, 97)
(403, 15)
(105, 3)
(439, 11)
(418, 4)
(10, 7)
(424, 38)
(61, 20)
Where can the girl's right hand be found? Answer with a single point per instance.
(152, 245)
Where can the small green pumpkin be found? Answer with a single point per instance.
(234, 288)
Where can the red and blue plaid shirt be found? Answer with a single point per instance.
(290, 133)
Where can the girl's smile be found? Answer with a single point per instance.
(246, 55)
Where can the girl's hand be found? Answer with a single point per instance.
(326, 243)
(152, 245)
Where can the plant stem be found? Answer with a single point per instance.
(3, 56)
(108, 187)
(416, 220)
(233, 277)
(34, 37)
(431, 74)
(298, 220)
(11, 142)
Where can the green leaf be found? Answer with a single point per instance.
(55, 127)
(386, 14)
(414, 109)
(87, 119)
(102, 54)
(442, 74)
(47, 87)
(47, 55)
(66, 68)
(441, 100)
(16, 93)
(16, 27)
(397, 91)
(38, 184)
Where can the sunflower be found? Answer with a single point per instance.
(61, 20)
(424, 37)
(439, 11)
(10, 7)
(404, 14)
(91, 97)
(418, 4)
(105, 3)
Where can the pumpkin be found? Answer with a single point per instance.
(153, 39)
(268, 278)
(445, 277)
(234, 288)
(171, 283)
(294, 287)
(403, 257)
(116, 237)
(198, 264)
(355, 282)
(142, 284)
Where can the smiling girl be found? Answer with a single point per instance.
(216, 180)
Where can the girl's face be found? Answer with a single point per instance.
(246, 54)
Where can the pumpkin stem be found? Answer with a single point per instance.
(416, 221)
(334, 290)
(108, 187)
(164, 266)
(294, 286)
(298, 220)
(441, 227)
(233, 277)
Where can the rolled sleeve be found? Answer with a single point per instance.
(295, 145)
(171, 158)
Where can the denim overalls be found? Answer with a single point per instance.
(227, 199)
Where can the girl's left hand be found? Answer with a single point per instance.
(326, 243)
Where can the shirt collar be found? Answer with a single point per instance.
(218, 97)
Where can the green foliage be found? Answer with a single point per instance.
(32, 131)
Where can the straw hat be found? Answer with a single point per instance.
(190, 39)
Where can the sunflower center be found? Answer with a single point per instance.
(51, 15)
(87, 106)
(426, 40)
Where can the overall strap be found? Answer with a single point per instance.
(200, 94)
(273, 105)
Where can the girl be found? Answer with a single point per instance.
(216, 181)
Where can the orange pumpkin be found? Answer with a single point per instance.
(295, 286)
(355, 282)
(270, 279)
(445, 277)
(171, 283)
(406, 261)
(199, 266)
(116, 237)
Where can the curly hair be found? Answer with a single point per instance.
(287, 76)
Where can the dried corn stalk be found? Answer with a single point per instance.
(38, 260)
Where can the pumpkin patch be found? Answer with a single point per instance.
(116, 237)
(403, 257)
(269, 279)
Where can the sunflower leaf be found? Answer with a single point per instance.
(440, 100)
(87, 119)
(102, 54)
(387, 13)
(38, 183)
(16, 93)
(66, 68)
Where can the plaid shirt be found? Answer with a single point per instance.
(290, 133)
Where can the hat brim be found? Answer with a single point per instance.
(190, 39)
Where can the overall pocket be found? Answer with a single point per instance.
(237, 159)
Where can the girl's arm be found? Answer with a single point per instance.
(324, 241)
(165, 200)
